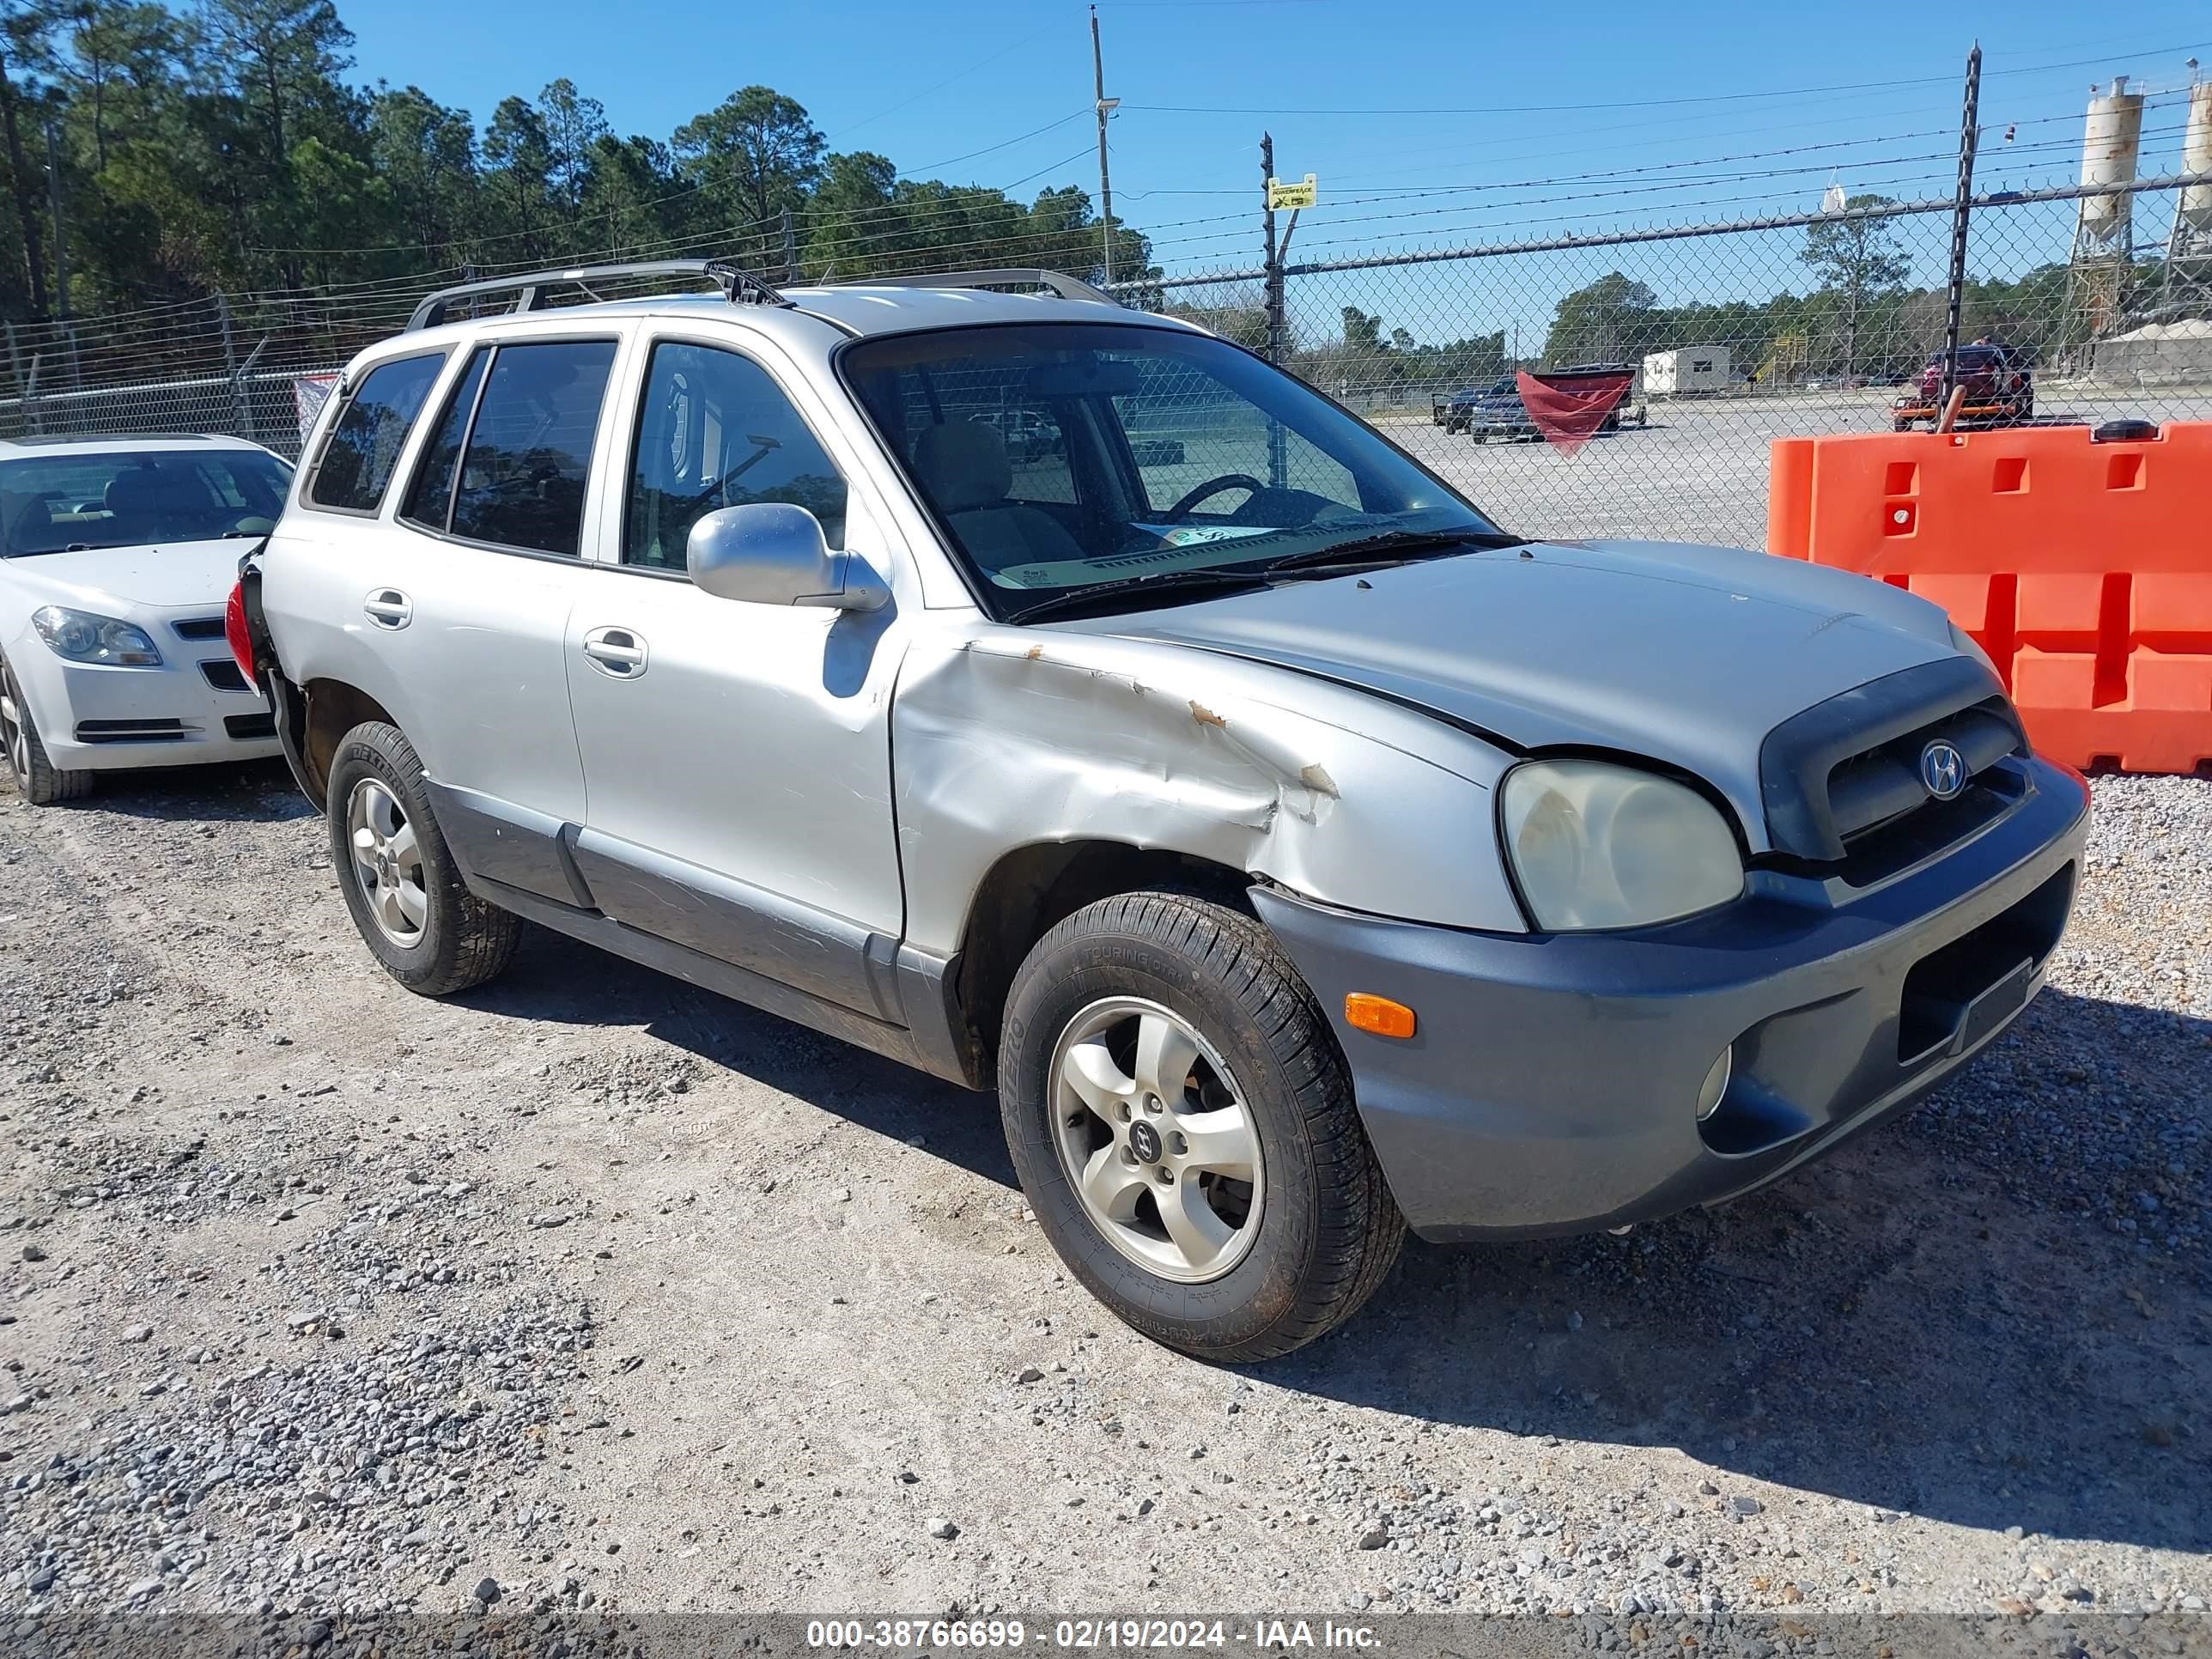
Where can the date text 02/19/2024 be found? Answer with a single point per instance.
(1084, 1634)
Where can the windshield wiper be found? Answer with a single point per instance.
(1389, 545)
(1130, 590)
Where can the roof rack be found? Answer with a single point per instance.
(739, 287)
(1067, 287)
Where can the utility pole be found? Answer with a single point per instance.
(1106, 106)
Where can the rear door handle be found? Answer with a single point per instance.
(618, 653)
(388, 607)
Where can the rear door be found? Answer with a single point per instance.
(469, 597)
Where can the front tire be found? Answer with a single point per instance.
(401, 884)
(1182, 1122)
(37, 779)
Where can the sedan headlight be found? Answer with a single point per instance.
(81, 637)
(1596, 845)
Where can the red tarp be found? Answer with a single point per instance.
(1568, 417)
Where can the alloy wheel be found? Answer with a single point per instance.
(1156, 1141)
(387, 863)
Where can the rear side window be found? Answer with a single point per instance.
(355, 467)
(529, 451)
(430, 497)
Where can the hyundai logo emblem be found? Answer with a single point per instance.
(1943, 769)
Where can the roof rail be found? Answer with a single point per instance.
(1067, 287)
(739, 287)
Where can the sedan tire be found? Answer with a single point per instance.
(1181, 1119)
(38, 779)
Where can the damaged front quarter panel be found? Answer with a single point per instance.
(1004, 740)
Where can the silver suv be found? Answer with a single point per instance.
(1301, 854)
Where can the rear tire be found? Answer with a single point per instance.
(400, 882)
(37, 779)
(1238, 1047)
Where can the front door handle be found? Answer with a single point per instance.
(617, 652)
(388, 607)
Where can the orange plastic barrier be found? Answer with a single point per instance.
(2084, 569)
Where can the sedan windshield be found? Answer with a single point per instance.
(1059, 456)
(59, 503)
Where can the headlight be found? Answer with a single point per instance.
(1965, 645)
(1596, 845)
(82, 637)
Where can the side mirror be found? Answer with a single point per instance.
(772, 553)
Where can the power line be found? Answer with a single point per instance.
(931, 166)
(1698, 98)
(940, 85)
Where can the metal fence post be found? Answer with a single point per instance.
(790, 244)
(1961, 209)
(241, 419)
(15, 363)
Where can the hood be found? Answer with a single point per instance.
(1686, 655)
(174, 575)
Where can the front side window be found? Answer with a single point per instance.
(528, 454)
(716, 431)
(355, 467)
(1063, 456)
(89, 498)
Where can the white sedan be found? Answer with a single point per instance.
(116, 555)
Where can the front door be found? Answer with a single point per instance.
(737, 757)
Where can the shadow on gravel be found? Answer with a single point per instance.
(1969, 1315)
(1959, 1315)
(228, 793)
(559, 979)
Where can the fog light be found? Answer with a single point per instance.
(1715, 1083)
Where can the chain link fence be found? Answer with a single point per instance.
(1732, 334)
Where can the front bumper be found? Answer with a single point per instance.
(1551, 1087)
(100, 719)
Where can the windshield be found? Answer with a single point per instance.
(88, 498)
(1064, 456)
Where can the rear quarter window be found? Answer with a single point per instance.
(362, 449)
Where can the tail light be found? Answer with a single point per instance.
(235, 632)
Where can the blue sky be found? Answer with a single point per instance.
(998, 92)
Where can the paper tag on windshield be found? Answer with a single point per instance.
(1192, 535)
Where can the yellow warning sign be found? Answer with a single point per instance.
(1302, 193)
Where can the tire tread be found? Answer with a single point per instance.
(479, 940)
(1360, 1235)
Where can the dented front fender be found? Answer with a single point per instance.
(1003, 738)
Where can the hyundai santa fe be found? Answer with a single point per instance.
(1301, 854)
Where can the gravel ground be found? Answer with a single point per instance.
(591, 1290)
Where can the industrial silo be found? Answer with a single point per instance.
(2104, 235)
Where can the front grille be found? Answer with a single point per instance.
(130, 730)
(198, 627)
(222, 674)
(247, 727)
(1841, 782)
(1880, 784)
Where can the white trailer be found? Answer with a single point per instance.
(1688, 372)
